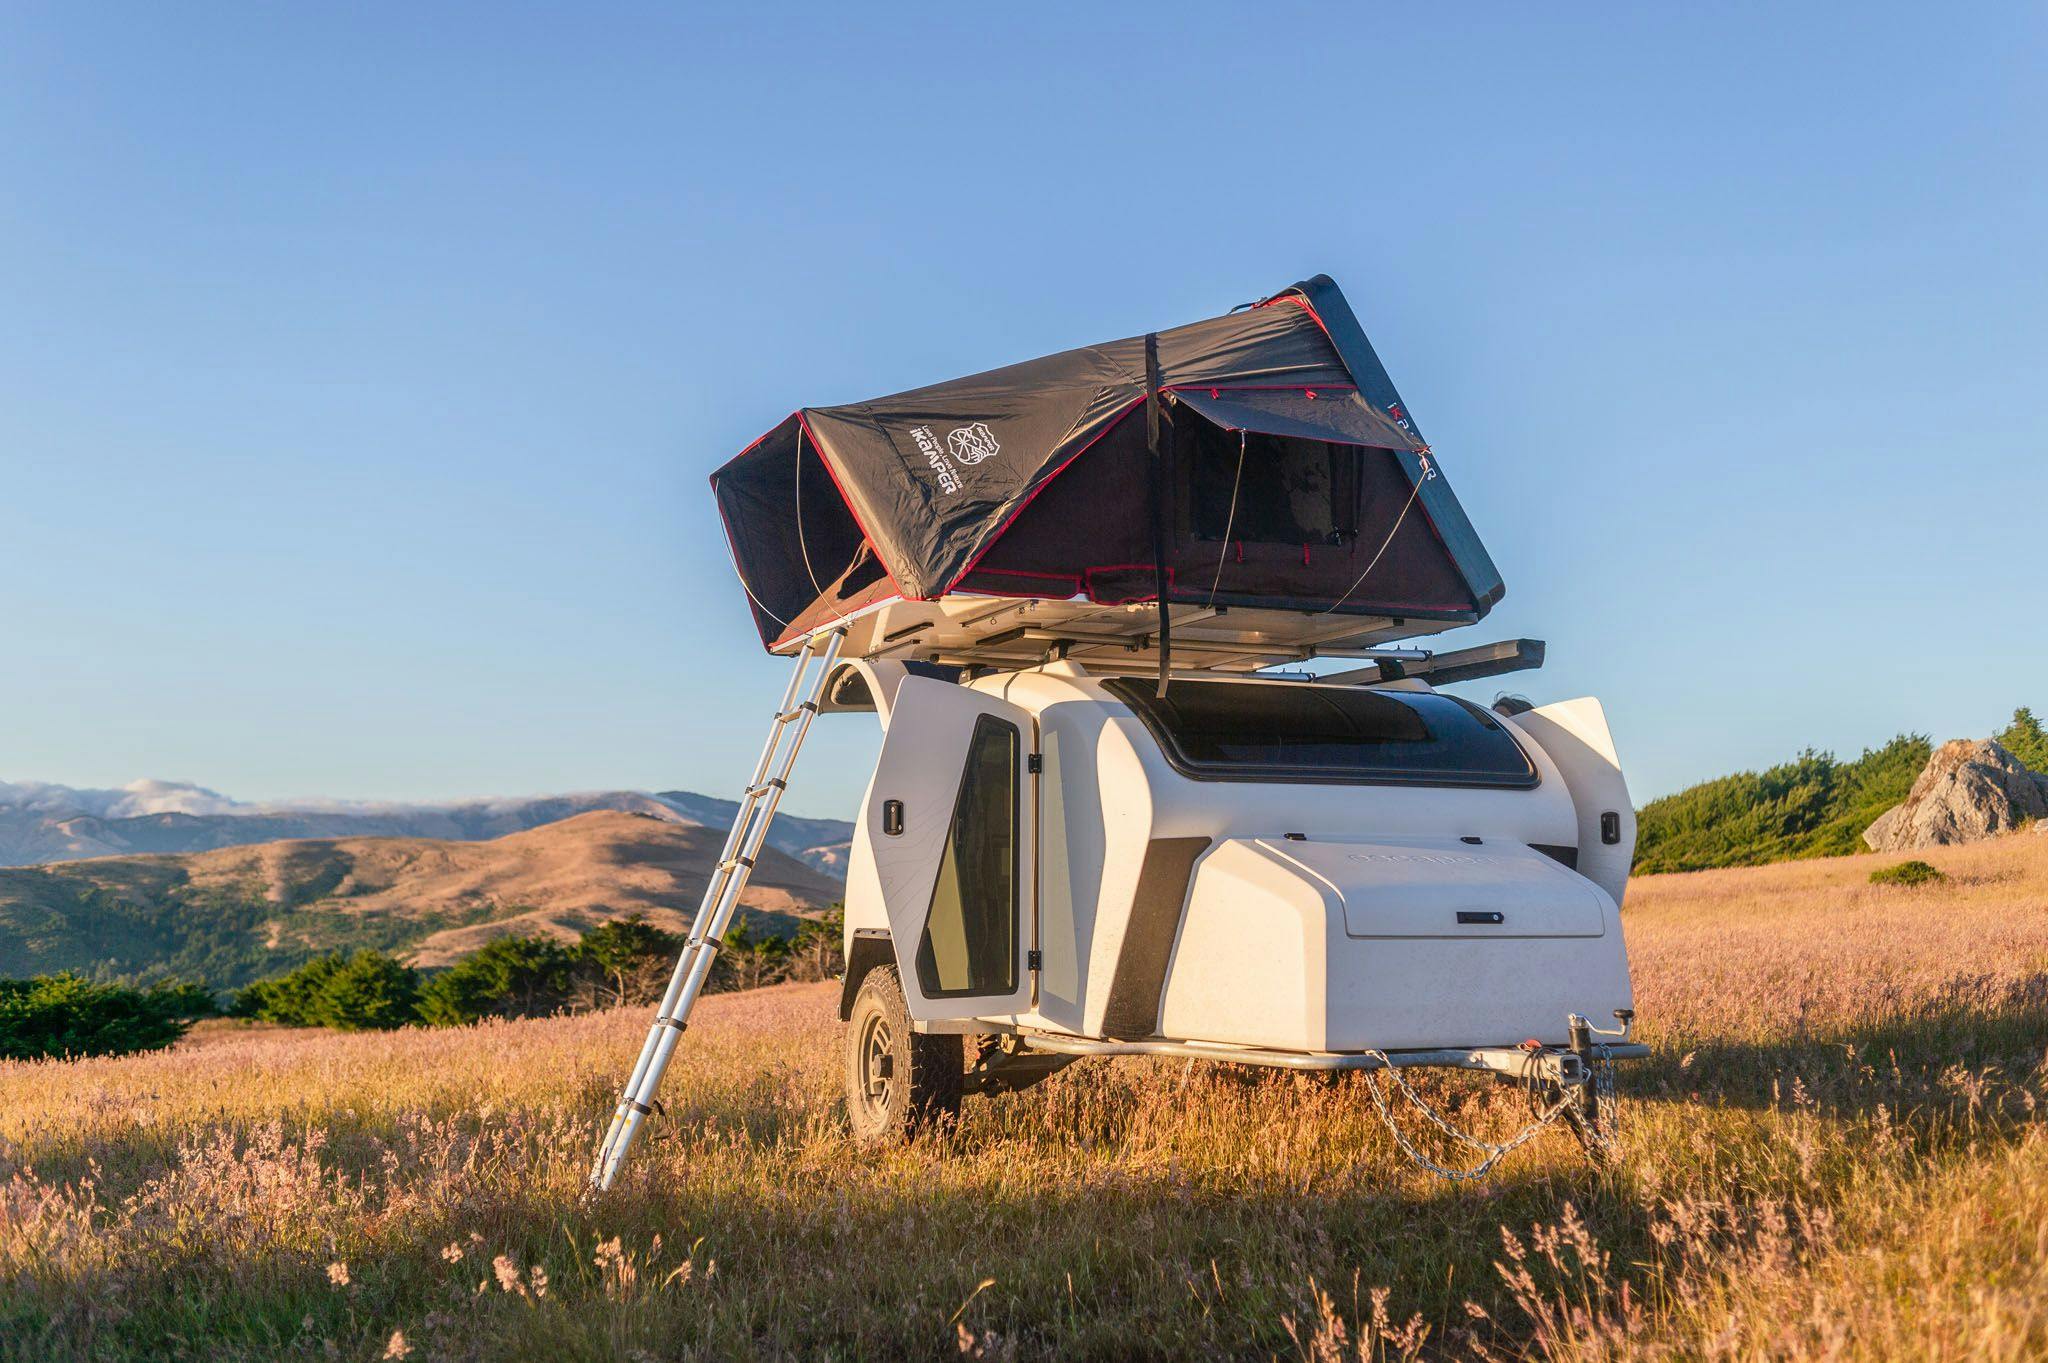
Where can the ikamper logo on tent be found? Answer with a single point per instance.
(965, 446)
(972, 444)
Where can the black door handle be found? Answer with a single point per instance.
(892, 817)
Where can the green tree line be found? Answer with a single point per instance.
(624, 961)
(63, 1015)
(627, 961)
(1812, 806)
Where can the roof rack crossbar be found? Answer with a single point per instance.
(1465, 664)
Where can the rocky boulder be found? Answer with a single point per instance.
(1971, 789)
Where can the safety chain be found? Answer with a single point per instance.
(1494, 1153)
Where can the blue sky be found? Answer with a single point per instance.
(361, 366)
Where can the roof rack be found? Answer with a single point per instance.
(1005, 634)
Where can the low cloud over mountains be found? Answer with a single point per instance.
(134, 799)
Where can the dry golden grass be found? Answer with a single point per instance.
(1838, 1152)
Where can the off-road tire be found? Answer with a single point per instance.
(899, 1082)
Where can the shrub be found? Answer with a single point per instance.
(187, 1002)
(367, 991)
(63, 1015)
(748, 961)
(1907, 873)
(816, 952)
(371, 992)
(508, 977)
(628, 960)
(291, 998)
(2026, 740)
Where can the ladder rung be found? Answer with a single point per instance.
(721, 895)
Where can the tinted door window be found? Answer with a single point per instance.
(969, 945)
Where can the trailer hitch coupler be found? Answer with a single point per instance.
(1582, 1047)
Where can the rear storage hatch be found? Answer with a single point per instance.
(1449, 888)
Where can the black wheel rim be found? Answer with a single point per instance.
(877, 1064)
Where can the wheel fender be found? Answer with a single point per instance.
(869, 949)
(863, 684)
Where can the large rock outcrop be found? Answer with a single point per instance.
(1970, 789)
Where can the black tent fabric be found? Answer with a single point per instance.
(1339, 415)
(939, 489)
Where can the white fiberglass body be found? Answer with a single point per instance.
(1046, 851)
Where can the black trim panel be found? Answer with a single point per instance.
(870, 949)
(1136, 985)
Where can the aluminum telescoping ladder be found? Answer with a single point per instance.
(722, 895)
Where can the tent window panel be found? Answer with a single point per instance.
(1291, 491)
(969, 943)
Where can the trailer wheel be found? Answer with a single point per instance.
(898, 1081)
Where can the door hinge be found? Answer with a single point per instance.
(1034, 959)
(1035, 763)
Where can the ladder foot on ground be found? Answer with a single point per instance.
(764, 791)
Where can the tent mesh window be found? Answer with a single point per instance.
(1310, 514)
(1268, 489)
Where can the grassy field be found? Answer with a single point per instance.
(1839, 1151)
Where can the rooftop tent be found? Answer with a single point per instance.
(1291, 479)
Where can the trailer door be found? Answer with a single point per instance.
(950, 822)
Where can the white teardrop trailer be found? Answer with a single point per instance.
(1094, 830)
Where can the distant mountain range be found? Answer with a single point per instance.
(42, 823)
(820, 844)
(227, 916)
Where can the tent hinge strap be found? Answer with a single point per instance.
(1162, 579)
